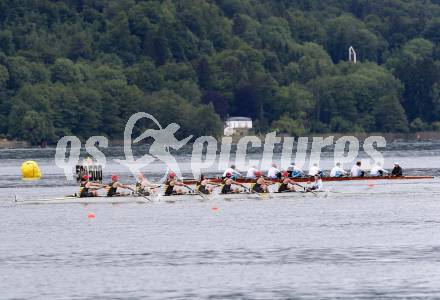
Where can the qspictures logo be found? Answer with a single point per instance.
(209, 153)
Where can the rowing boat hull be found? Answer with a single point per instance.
(328, 179)
(161, 198)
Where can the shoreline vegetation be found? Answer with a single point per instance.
(390, 137)
(84, 67)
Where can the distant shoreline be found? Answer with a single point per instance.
(422, 135)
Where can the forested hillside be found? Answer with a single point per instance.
(83, 67)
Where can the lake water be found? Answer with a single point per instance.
(381, 240)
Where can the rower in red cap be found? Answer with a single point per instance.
(287, 184)
(87, 188)
(171, 184)
(226, 187)
(114, 185)
(261, 185)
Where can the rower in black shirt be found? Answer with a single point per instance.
(113, 187)
(205, 186)
(227, 182)
(87, 188)
(286, 184)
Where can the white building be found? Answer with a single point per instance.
(237, 123)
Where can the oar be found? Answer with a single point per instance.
(139, 195)
(262, 195)
(195, 192)
(245, 187)
(307, 190)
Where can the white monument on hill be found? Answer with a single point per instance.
(233, 124)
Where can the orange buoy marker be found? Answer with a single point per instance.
(370, 185)
(91, 216)
(215, 209)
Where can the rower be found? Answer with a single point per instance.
(113, 187)
(317, 185)
(232, 171)
(273, 172)
(261, 186)
(171, 184)
(315, 170)
(338, 171)
(397, 170)
(285, 182)
(295, 171)
(143, 186)
(377, 170)
(87, 188)
(227, 185)
(356, 170)
(251, 172)
(202, 186)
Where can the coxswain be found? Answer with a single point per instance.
(397, 170)
(171, 184)
(316, 185)
(87, 188)
(226, 187)
(205, 186)
(273, 172)
(338, 171)
(113, 187)
(377, 170)
(287, 184)
(234, 173)
(356, 170)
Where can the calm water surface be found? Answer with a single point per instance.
(380, 241)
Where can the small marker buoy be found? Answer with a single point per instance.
(215, 209)
(91, 216)
(370, 185)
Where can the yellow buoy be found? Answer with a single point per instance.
(30, 170)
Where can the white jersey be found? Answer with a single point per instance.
(251, 173)
(272, 172)
(314, 170)
(376, 170)
(318, 185)
(232, 171)
(337, 172)
(356, 171)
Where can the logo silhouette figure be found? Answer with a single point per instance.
(164, 140)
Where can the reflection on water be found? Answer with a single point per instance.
(377, 241)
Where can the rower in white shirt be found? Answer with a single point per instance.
(377, 170)
(232, 171)
(317, 185)
(294, 171)
(273, 172)
(338, 171)
(357, 171)
(314, 170)
(251, 172)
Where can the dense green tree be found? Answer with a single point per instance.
(36, 128)
(83, 67)
(4, 77)
(65, 71)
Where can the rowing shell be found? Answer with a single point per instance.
(307, 179)
(162, 198)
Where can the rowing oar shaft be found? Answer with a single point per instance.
(143, 196)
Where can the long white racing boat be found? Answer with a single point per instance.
(168, 199)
